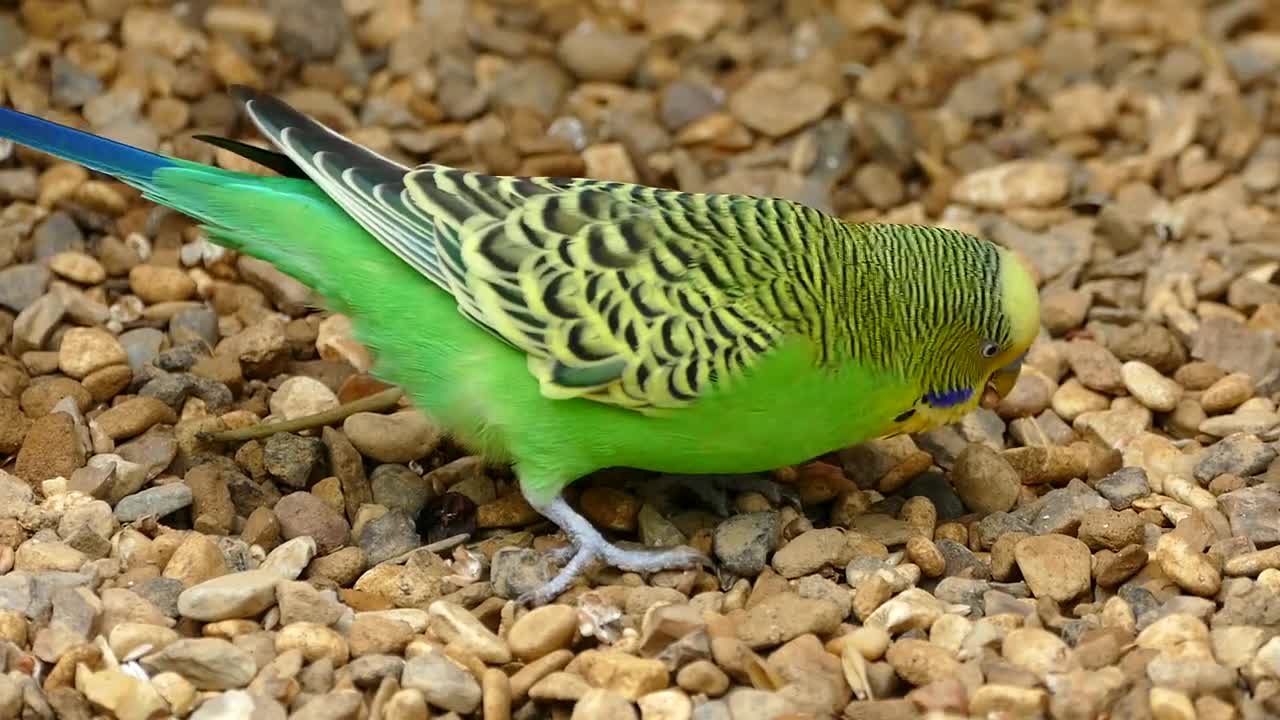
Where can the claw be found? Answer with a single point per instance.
(588, 546)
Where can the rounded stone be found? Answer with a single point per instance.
(84, 350)
(397, 438)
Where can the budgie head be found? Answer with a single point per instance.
(964, 313)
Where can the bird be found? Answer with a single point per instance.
(566, 325)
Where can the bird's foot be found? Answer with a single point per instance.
(587, 546)
(717, 491)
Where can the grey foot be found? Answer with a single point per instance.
(717, 491)
(587, 546)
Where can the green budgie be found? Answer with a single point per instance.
(569, 325)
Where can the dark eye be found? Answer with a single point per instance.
(989, 349)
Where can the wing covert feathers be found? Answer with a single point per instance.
(635, 296)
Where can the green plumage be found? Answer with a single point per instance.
(572, 325)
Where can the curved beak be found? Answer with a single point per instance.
(1001, 382)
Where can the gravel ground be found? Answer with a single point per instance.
(1105, 544)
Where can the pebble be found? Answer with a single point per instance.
(1227, 394)
(742, 543)
(1152, 389)
(22, 285)
(391, 535)
(134, 417)
(157, 501)
(208, 663)
(1122, 487)
(238, 595)
(314, 641)
(397, 438)
(371, 634)
(810, 552)
(1055, 566)
(78, 267)
(542, 631)
(984, 480)
(293, 459)
(300, 396)
(50, 449)
(444, 684)
(598, 54)
(396, 487)
(776, 102)
(303, 514)
(1015, 184)
(1239, 454)
(156, 284)
(784, 617)
(454, 624)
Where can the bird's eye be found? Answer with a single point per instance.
(989, 349)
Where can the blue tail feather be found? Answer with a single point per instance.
(130, 164)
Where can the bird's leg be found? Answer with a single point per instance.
(588, 546)
(717, 490)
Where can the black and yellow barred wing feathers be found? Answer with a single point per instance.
(634, 296)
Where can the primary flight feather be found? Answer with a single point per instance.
(568, 325)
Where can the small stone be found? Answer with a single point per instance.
(1192, 570)
(1036, 650)
(455, 625)
(1123, 486)
(742, 543)
(300, 396)
(1239, 454)
(1095, 366)
(314, 641)
(370, 634)
(1015, 184)
(389, 536)
(51, 448)
(777, 102)
(209, 663)
(195, 560)
(22, 285)
(1227, 394)
(610, 508)
(783, 617)
(156, 284)
(984, 480)
(920, 662)
(1055, 566)
(628, 676)
(1152, 389)
(291, 458)
(78, 267)
(134, 417)
(35, 556)
(1111, 530)
(84, 350)
(342, 567)
(396, 487)
(596, 704)
(303, 602)
(238, 595)
(156, 501)
(598, 54)
(126, 696)
(444, 684)
(302, 513)
(703, 677)
(810, 552)
(105, 383)
(542, 631)
(397, 438)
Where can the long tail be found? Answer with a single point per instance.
(277, 219)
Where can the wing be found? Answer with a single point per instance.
(629, 295)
